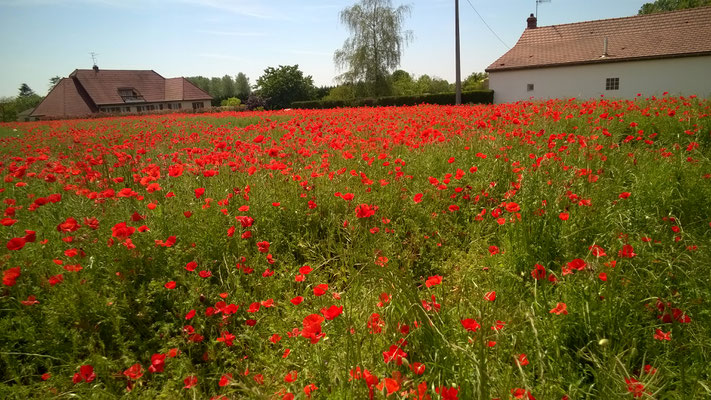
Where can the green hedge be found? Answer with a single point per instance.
(476, 96)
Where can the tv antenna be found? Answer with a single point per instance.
(539, 2)
(93, 55)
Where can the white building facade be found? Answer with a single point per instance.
(643, 55)
(677, 76)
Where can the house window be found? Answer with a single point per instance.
(612, 84)
(197, 105)
(529, 87)
(129, 95)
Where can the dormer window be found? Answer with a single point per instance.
(130, 95)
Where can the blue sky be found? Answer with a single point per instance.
(44, 38)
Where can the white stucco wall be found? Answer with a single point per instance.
(678, 76)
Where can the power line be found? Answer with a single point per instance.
(487, 25)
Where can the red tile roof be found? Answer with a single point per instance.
(87, 89)
(664, 35)
(103, 85)
(183, 89)
(66, 99)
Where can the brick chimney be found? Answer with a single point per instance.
(532, 22)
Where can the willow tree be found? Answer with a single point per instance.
(375, 45)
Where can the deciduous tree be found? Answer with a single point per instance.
(284, 85)
(376, 43)
(26, 91)
(242, 88)
(671, 5)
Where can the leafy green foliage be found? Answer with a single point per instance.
(471, 97)
(242, 87)
(671, 5)
(476, 81)
(283, 85)
(231, 102)
(376, 43)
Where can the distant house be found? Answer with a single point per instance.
(26, 115)
(620, 57)
(89, 91)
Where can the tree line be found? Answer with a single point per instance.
(279, 86)
(11, 107)
(671, 5)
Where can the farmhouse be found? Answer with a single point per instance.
(89, 91)
(619, 58)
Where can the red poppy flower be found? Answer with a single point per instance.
(312, 328)
(263, 247)
(190, 381)
(470, 324)
(635, 387)
(331, 312)
(626, 252)
(321, 289)
(490, 296)
(417, 368)
(199, 192)
(7, 221)
(55, 280)
(297, 300)
(121, 231)
(394, 353)
(560, 308)
(364, 211)
(245, 221)
(519, 393)
(597, 251)
(16, 243)
(661, 335)
(512, 207)
(522, 360)
(225, 380)
(10, 276)
(85, 374)
(69, 225)
(170, 285)
(31, 300)
(227, 338)
(291, 377)
(133, 372)
(539, 272)
(433, 281)
(448, 393)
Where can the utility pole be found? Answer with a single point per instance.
(458, 84)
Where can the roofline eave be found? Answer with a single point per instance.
(598, 61)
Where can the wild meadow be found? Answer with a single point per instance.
(537, 250)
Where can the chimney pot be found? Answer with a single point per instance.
(96, 68)
(532, 22)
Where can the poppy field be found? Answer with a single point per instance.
(537, 250)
